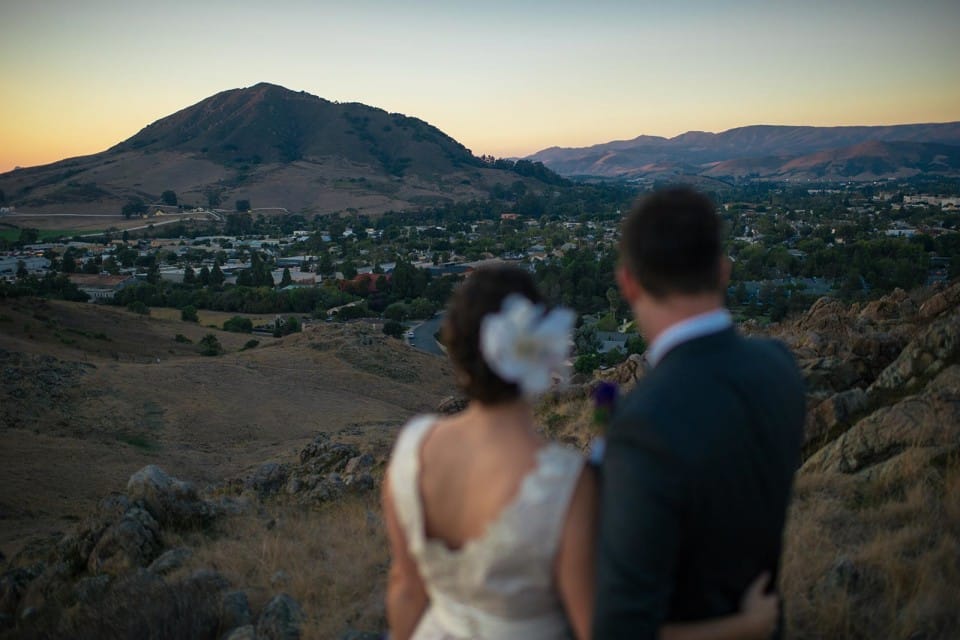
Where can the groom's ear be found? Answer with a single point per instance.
(629, 288)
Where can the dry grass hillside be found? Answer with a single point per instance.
(90, 394)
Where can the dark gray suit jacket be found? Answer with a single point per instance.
(696, 479)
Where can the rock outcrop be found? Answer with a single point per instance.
(929, 420)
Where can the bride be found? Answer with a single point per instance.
(492, 529)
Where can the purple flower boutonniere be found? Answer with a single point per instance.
(604, 400)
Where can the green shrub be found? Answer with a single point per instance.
(210, 346)
(138, 307)
(238, 324)
(183, 339)
(189, 314)
(393, 329)
(250, 344)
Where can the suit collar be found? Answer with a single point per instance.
(686, 330)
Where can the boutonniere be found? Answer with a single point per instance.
(604, 400)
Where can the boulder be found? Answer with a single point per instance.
(324, 456)
(268, 479)
(930, 419)
(171, 502)
(832, 413)
(91, 589)
(359, 464)
(170, 560)
(939, 303)
(13, 584)
(451, 405)
(132, 542)
(280, 620)
(829, 375)
(925, 356)
(235, 611)
(245, 632)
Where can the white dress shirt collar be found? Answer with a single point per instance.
(686, 330)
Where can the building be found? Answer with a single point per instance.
(101, 287)
(610, 340)
(33, 264)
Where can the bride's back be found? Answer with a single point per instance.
(471, 469)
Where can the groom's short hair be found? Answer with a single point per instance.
(670, 242)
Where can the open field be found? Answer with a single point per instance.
(91, 394)
(212, 318)
(52, 225)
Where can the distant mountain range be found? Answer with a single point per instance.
(771, 152)
(275, 148)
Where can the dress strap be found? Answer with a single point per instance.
(404, 474)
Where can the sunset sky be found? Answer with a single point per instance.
(503, 77)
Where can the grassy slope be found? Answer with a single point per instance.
(148, 399)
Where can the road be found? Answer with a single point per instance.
(423, 336)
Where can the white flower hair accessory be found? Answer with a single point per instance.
(524, 346)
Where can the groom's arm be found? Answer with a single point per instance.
(642, 498)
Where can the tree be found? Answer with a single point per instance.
(21, 270)
(238, 324)
(169, 197)
(213, 196)
(398, 312)
(216, 276)
(421, 308)
(586, 363)
(286, 280)
(204, 276)
(28, 236)
(210, 346)
(69, 264)
(285, 326)
(243, 206)
(393, 329)
(138, 307)
(189, 314)
(134, 207)
(325, 266)
(189, 277)
(585, 339)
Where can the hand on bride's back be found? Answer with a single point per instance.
(761, 609)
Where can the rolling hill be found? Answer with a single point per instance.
(274, 147)
(771, 152)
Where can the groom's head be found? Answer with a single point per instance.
(670, 244)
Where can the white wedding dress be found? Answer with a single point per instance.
(500, 585)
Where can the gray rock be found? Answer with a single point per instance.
(89, 590)
(324, 456)
(13, 584)
(246, 632)
(360, 483)
(172, 502)
(280, 619)
(268, 479)
(451, 405)
(235, 611)
(133, 541)
(170, 560)
(352, 634)
(359, 464)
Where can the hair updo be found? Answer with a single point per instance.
(480, 294)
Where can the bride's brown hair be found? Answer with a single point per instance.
(480, 294)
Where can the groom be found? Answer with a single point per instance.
(701, 455)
